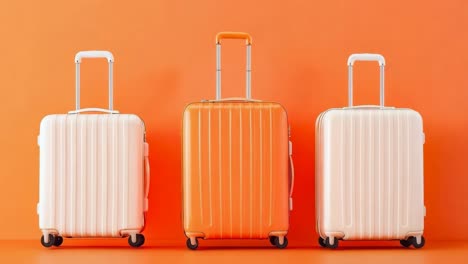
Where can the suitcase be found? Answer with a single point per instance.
(369, 171)
(94, 171)
(236, 166)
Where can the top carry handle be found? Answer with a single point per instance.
(248, 43)
(365, 57)
(94, 54)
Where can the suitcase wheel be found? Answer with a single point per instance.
(58, 241)
(139, 240)
(406, 242)
(276, 242)
(322, 242)
(328, 245)
(51, 241)
(190, 245)
(414, 242)
(420, 244)
(272, 240)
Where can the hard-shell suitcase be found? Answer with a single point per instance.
(236, 166)
(94, 171)
(369, 171)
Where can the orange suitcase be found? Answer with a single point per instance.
(236, 166)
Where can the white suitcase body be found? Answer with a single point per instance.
(94, 174)
(369, 173)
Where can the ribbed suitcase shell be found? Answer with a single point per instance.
(235, 170)
(91, 175)
(369, 173)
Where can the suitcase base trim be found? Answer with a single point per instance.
(342, 236)
(122, 233)
(203, 236)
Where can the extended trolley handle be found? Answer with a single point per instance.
(248, 43)
(365, 57)
(94, 54)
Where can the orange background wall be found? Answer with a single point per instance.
(165, 58)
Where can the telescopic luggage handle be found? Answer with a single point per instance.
(365, 57)
(94, 54)
(248, 43)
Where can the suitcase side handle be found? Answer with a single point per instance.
(234, 99)
(365, 57)
(93, 54)
(147, 175)
(291, 175)
(292, 183)
(233, 35)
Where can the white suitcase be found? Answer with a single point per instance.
(94, 172)
(369, 171)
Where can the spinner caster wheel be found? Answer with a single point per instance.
(415, 243)
(332, 246)
(272, 240)
(321, 242)
(277, 243)
(51, 241)
(58, 241)
(190, 245)
(139, 240)
(406, 242)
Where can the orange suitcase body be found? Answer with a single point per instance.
(236, 158)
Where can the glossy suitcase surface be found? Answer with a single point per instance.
(235, 170)
(92, 174)
(369, 173)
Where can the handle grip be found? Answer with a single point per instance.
(366, 57)
(234, 35)
(94, 54)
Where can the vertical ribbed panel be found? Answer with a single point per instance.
(235, 166)
(370, 176)
(91, 174)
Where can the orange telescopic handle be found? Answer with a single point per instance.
(248, 46)
(233, 35)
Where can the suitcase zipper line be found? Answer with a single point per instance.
(200, 167)
(53, 191)
(74, 189)
(360, 165)
(271, 169)
(370, 176)
(389, 172)
(126, 185)
(408, 161)
(230, 169)
(342, 180)
(209, 166)
(261, 171)
(380, 176)
(399, 164)
(251, 168)
(220, 173)
(240, 171)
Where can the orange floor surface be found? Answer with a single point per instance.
(87, 252)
